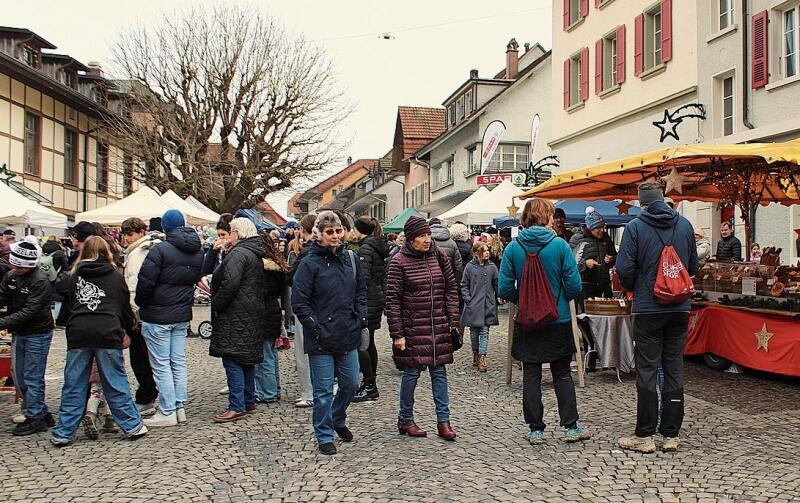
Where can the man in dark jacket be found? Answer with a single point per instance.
(164, 294)
(595, 253)
(560, 225)
(659, 329)
(729, 248)
(26, 294)
(441, 237)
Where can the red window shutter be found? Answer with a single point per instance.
(566, 84)
(621, 54)
(598, 66)
(584, 8)
(638, 45)
(760, 50)
(566, 14)
(585, 74)
(597, 3)
(666, 30)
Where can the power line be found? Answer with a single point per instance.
(427, 26)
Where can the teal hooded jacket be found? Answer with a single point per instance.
(558, 263)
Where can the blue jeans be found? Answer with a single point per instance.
(479, 336)
(331, 412)
(30, 362)
(117, 393)
(57, 308)
(241, 385)
(268, 374)
(167, 347)
(408, 384)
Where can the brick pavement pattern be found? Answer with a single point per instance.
(740, 443)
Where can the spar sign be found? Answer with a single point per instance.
(517, 179)
(491, 139)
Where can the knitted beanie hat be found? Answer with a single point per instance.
(172, 219)
(415, 227)
(24, 254)
(594, 220)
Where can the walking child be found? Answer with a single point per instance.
(479, 291)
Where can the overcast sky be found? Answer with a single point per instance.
(436, 43)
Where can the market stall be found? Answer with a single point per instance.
(193, 214)
(397, 223)
(18, 210)
(145, 203)
(484, 205)
(746, 312)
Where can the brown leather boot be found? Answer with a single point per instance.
(445, 431)
(410, 428)
(474, 358)
(482, 364)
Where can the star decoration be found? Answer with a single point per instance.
(512, 210)
(763, 338)
(5, 174)
(668, 126)
(674, 181)
(623, 208)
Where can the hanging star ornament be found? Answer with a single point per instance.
(674, 181)
(624, 207)
(668, 126)
(512, 210)
(763, 338)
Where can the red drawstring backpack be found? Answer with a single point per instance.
(673, 284)
(537, 307)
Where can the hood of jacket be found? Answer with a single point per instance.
(93, 269)
(145, 243)
(378, 245)
(271, 265)
(439, 232)
(658, 214)
(253, 244)
(536, 237)
(185, 239)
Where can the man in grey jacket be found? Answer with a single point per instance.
(441, 236)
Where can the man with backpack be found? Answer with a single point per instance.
(656, 257)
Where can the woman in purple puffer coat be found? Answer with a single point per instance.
(422, 312)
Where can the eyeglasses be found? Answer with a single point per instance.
(331, 232)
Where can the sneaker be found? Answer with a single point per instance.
(30, 427)
(327, 448)
(535, 437)
(142, 431)
(268, 400)
(18, 418)
(639, 444)
(60, 442)
(367, 393)
(160, 419)
(180, 415)
(146, 409)
(91, 426)
(109, 426)
(576, 434)
(303, 404)
(224, 391)
(671, 444)
(344, 433)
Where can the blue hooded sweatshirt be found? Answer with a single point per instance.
(640, 253)
(558, 263)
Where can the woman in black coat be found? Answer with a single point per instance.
(239, 316)
(268, 383)
(373, 252)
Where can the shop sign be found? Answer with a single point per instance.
(517, 179)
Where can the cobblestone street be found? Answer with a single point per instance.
(741, 443)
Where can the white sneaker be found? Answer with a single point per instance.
(224, 391)
(161, 419)
(18, 418)
(146, 409)
(142, 431)
(181, 415)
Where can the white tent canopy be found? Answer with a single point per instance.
(202, 207)
(144, 203)
(191, 212)
(464, 211)
(483, 206)
(18, 209)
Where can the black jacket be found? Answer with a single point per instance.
(97, 307)
(27, 299)
(238, 304)
(465, 249)
(275, 284)
(729, 249)
(373, 254)
(165, 291)
(585, 247)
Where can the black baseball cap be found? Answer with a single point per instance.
(83, 230)
(559, 213)
(9, 232)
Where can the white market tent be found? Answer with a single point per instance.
(191, 212)
(483, 206)
(144, 203)
(16, 209)
(202, 207)
(463, 211)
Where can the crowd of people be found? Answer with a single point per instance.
(328, 281)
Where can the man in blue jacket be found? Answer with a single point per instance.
(164, 294)
(659, 329)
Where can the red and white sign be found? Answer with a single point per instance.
(495, 179)
(491, 139)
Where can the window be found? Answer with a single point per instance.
(790, 42)
(468, 99)
(443, 174)
(574, 11)
(68, 79)
(510, 158)
(609, 63)
(727, 106)
(30, 57)
(97, 95)
(127, 175)
(453, 114)
(333, 192)
(652, 38)
(31, 144)
(70, 157)
(575, 79)
(378, 211)
(462, 106)
(725, 13)
(472, 166)
(102, 168)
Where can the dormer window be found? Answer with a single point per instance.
(97, 95)
(69, 79)
(30, 57)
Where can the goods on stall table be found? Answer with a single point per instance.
(607, 307)
(729, 277)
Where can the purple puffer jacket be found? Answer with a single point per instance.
(422, 306)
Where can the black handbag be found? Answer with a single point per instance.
(458, 339)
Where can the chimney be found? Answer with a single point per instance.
(527, 47)
(512, 59)
(473, 74)
(95, 69)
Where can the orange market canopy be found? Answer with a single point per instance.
(744, 174)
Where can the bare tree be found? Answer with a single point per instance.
(225, 104)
